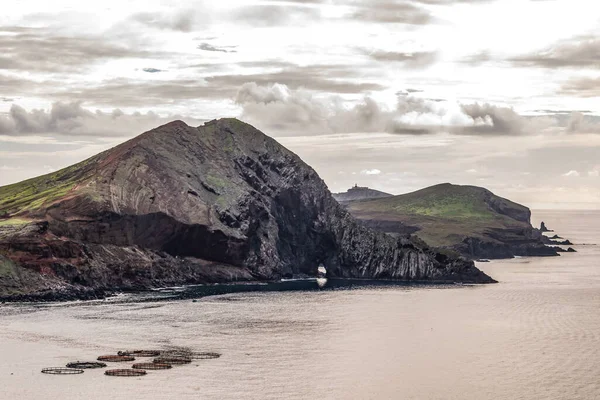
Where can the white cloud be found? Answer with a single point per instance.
(277, 108)
(572, 173)
(370, 172)
(110, 46)
(73, 119)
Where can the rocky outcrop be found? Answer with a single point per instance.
(217, 203)
(38, 265)
(543, 228)
(357, 193)
(561, 242)
(476, 248)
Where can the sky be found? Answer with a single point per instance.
(396, 95)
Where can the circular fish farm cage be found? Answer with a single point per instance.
(204, 356)
(140, 353)
(62, 371)
(113, 358)
(125, 372)
(86, 365)
(193, 355)
(173, 360)
(152, 366)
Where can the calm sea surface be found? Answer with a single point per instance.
(535, 335)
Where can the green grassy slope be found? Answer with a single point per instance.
(27, 196)
(445, 213)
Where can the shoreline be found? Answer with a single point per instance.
(197, 291)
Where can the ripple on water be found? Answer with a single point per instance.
(536, 335)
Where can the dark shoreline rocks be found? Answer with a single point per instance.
(544, 229)
(562, 243)
(494, 250)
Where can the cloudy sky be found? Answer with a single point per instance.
(392, 94)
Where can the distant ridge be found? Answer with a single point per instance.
(356, 193)
(469, 219)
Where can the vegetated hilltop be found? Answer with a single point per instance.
(359, 193)
(469, 219)
(179, 204)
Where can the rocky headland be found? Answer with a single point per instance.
(467, 219)
(184, 205)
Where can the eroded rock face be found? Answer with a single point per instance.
(224, 193)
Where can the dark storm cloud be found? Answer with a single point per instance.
(577, 52)
(39, 50)
(417, 59)
(210, 47)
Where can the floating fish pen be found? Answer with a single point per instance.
(86, 364)
(152, 366)
(140, 353)
(204, 356)
(125, 372)
(173, 360)
(113, 358)
(193, 355)
(62, 371)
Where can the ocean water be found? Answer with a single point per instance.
(535, 335)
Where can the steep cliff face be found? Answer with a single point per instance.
(469, 219)
(180, 198)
